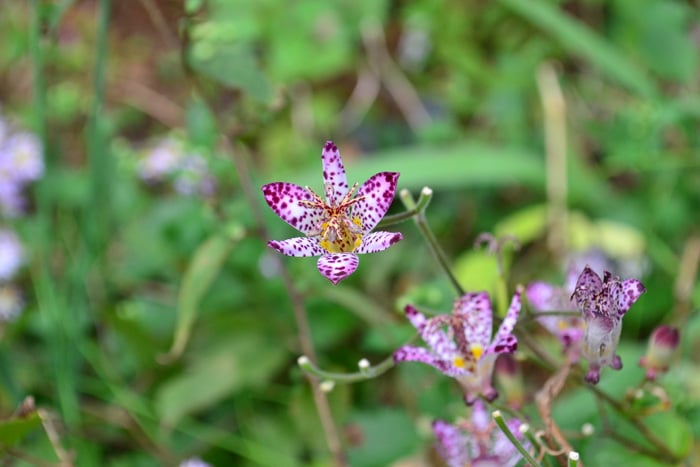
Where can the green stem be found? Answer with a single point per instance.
(511, 437)
(366, 372)
(573, 459)
(427, 233)
(423, 202)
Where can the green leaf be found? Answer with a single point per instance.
(247, 361)
(15, 429)
(202, 271)
(582, 41)
(674, 430)
(526, 224)
(232, 65)
(477, 270)
(386, 435)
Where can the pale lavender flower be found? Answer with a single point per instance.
(11, 200)
(477, 442)
(340, 227)
(194, 462)
(603, 305)
(11, 302)
(160, 162)
(193, 178)
(460, 345)
(21, 158)
(11, 254)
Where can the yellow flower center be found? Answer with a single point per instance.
(339, 234)
(476, 350)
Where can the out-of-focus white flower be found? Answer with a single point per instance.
(194, 462)
(21, 158)
(11, 254)
(161, 161)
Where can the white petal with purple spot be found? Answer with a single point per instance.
(378, 241)
(297, 246)
(334, 179)
(378, 193)
(286, 199)
(337, 267)
(475, 310)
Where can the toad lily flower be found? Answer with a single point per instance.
(477, 442)
(603, 304)
(460, 345)
(338, 228)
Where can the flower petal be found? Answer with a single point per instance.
(378, 193)
(409, 353)
(475, 310)
(506, 327)
(452, 445)
(337, 267)
(286, 200)
(587, 289)
(298, 246)
(378, 241)
(431, 333)
(335, 181)
(625, 293)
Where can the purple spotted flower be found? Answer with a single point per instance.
(477, 442)
(603, 303)
(340, 227)
(460, 344)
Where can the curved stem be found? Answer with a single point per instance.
(424, 228)
(367, 372)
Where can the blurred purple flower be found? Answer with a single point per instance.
(460, 345)
(193, 178)
(194, 462)
(11, 200)
(11, 302)
(340, 227)
(11, 254)
(603, 305)
(160, 162)
(21, 158)
(477, 442)
(545, 297)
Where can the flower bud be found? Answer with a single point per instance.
(662, 343)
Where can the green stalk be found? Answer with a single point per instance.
(422, 224)
(511, 437)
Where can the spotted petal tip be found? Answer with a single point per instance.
(334, 178)
(378, 241)
(287, 200)
(376, 194)
(337, 267)
(298, 246)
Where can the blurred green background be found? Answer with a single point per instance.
(123, 254)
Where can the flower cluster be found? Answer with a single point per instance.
(460, 345)
(169, 161)
(21, 162)
(339, 227)
(477, 442)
